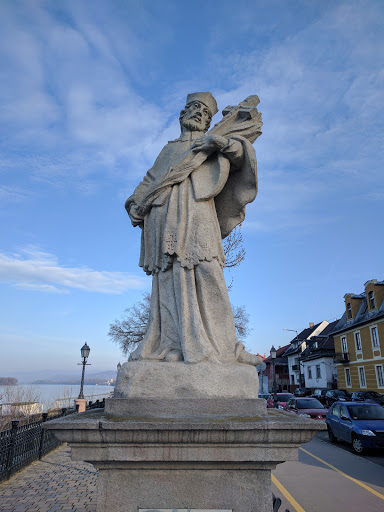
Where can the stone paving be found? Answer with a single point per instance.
(53, 484)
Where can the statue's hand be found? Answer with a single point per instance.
(136, 219)
(209, 143)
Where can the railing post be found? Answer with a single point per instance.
(42, 435)
(63, 411)
(11, 454)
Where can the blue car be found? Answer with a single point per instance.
(361, 424)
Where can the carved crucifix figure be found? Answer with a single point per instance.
(192, 197)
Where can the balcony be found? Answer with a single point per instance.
(342, 358)
(295, 368)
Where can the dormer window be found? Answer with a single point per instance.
(371, 299)
(349, 311)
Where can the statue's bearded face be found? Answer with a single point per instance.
(195, 117)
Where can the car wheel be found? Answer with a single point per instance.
(332, 438)
(357, 445)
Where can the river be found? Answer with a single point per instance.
(52, 395)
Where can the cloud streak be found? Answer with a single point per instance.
(40, 271)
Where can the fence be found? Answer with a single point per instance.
(21, 445)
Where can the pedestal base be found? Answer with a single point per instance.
(82, 403)
(206, 461)
(161, 379)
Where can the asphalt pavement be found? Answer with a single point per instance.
(330, 478)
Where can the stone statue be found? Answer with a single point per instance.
(191, 198)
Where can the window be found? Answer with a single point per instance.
(349, 311)
(374, 337)
(363, 383)
(309, 372)
(371, 298)
(380, 375)
(344, 346)
(318, 372)
(348, 381)
(336, 411)
(358, 341)
(343, 412)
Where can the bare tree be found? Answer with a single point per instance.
(131, 329)
(241, 322)
(128, 331)
(233, 248)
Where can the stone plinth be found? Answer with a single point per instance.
(161, 379)
(157, 459)
(82, 403)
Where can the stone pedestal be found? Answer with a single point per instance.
(82, 403)
(184, 453)
(161, 379)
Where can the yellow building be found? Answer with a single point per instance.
(359, 340)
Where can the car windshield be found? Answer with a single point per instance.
(309, 404)
(366, 412)
(283, 398)
(372, 394)
(338, 392)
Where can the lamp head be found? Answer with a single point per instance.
(85, 350)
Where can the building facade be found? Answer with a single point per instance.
(359, 340)
(280, 367)
(295, 351)
(318, 360)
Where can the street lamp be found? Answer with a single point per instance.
(273, 357)
(85, 350)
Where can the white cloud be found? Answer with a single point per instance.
(11, 194)
(40, 271)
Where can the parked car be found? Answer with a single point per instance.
(302, 392)
(368, 396)
(306, 407)
(319, 394)
(334, 395)
(361, 424)
(282, 399)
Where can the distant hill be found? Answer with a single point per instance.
(67, 377)
(8, 381)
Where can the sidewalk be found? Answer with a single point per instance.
(53, 484)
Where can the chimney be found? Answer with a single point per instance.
(311, 324)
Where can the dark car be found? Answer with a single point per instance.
(306, 407)
(361, 424)
(334, 395)
(302, 392)
(368, 396)
(319, 394)
(282, 399)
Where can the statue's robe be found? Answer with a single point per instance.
(181, 247)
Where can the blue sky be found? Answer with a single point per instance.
(90, 91)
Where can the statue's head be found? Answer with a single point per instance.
(198, 112)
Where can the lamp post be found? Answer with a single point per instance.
(273, 357)
(85, 350)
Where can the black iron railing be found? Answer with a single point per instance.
(23, 444)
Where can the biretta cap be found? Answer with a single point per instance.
(204, 97)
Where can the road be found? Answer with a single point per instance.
(330, 478)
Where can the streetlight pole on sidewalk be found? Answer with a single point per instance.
(80, 402)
